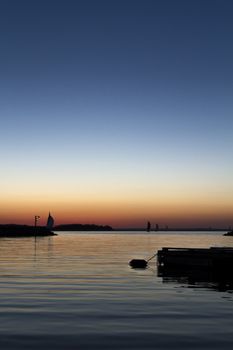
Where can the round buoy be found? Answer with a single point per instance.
(138, 263)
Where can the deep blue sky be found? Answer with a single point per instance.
(132, 96)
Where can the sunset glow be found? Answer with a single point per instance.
(118, 116)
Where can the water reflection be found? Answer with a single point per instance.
(77, 291)
(209, 278)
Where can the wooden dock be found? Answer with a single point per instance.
(195, 258)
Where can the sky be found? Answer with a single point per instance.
(117, 112)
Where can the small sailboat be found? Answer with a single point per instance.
(50, 221)
(148, 226)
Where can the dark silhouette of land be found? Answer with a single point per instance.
(230, 233)
(81, 227)
(14, 230)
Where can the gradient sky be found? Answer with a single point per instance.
(117, 111)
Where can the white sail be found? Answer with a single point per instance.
(50, 221)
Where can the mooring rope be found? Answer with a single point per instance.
(153, 256)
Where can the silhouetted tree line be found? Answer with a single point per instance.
(14, 230)
(80, 227)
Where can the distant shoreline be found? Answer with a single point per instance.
(175, 229)
(82, 227)
(15, 230)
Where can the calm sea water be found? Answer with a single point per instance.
(76, 291)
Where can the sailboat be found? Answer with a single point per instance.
(50, 221)
(148, 226)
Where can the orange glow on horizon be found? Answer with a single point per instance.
(120, 213)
